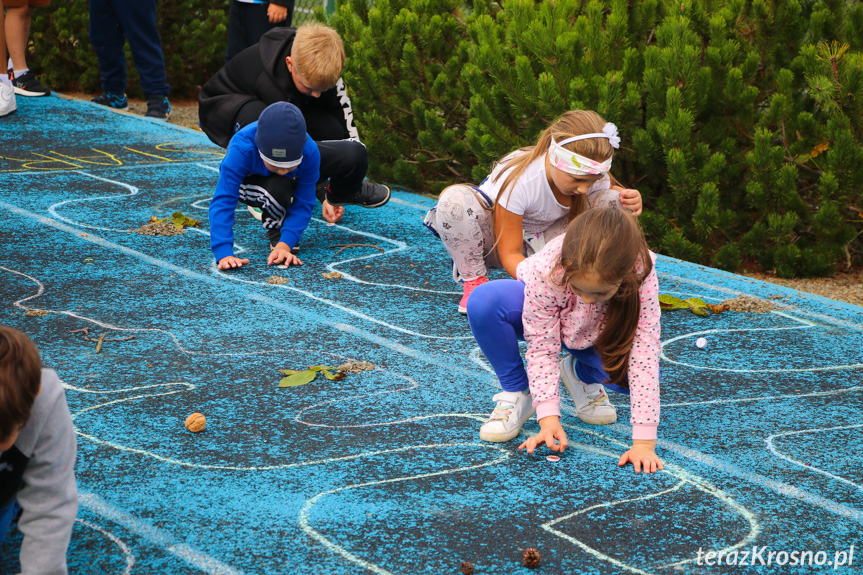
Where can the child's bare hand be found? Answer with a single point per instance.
(281, 254)
(630, 199)
(229, 262)
(332, 213)
(277, 13)
(642, 456)
(550, 430)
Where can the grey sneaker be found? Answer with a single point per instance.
(591, 400)
(29, 85)
(370, 195)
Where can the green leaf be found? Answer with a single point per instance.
(179, 220)
(288, 371)
(695, 302)
(670, 302)
(298, 378)
(334, 376)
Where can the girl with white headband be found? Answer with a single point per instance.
(530, 196)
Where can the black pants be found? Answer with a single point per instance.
(247, 23)
(274, 194)
(343, 162)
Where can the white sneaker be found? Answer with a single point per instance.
(512, 410)
(256, 212)
(591, 400)
(7, 99)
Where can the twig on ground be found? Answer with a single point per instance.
(346, 246)
(99, 344)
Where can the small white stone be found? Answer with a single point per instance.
(701, 343)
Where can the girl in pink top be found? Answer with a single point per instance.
(594, 294)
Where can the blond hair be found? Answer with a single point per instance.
(318, 55)
(608, 243)
(572, 123)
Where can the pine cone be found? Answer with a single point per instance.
(466, 568)
(531, 558)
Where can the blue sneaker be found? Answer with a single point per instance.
(112, 100)
(158, 107)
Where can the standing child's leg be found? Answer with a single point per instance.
(494, 313)
(582, 374)
(462, 220)
(7, 92)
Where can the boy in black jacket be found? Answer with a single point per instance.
(301, 66)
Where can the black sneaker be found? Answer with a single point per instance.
(275, 236)
(158, 107)
(370, 195)
(117, 101)
(29, 85)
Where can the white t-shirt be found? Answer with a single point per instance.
(532, 198)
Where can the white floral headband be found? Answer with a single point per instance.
(578, 165)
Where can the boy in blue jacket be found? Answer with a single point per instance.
(271, 164)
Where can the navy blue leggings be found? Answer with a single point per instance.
(7, 515)
(112, 22)
(494, 314)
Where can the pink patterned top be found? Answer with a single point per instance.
(554, 314)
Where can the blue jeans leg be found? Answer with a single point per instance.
(106, 35)
(7, 515)
(494, 314)
(588, 368)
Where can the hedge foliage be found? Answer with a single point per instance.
(742, 120)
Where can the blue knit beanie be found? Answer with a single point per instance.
(281, 135)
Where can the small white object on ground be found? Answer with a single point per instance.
(701, 343)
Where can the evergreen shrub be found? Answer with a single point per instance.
(742, 120)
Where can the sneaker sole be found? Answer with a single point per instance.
(255, 213)
(462, 310)
(377, 205)
(23, 92)
(589, 419)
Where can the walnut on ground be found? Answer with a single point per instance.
(278, 280)
(356, 366)
(746, 304)
(159, 229)
(196, 422)
(466, 568)
(531, 558)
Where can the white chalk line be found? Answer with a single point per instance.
(213, 280)
(304, 520)
(770, 445)
(820, 317)
(779, 487)
(130, 559)
(133, 190)
(806, 325)
(155, 536)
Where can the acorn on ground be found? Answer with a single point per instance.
(466, 568)
(196, 422)
(531, 558)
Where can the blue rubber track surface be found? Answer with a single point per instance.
(383, 471)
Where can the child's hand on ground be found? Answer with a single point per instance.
(229, 262)
(277, 13)
(281, 254)
(642, 455)
(332, 213)
(549, 430)
(630, 199)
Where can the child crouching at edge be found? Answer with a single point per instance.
(37, 457)
(271, 164)
(593, 293)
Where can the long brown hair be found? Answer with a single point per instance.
(608, 243)
(20, 377)
(572, 123)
